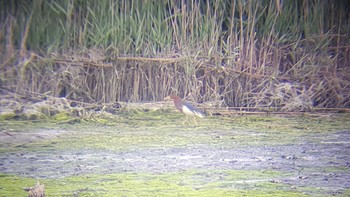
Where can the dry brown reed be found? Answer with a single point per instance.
(92, 76)
(289, 56)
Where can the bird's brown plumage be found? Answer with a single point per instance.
(185, 107)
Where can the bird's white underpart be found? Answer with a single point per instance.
(188, 111)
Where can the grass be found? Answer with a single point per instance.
(156, 129)
(159, 129)
(186, 183)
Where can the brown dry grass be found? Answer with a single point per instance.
(94, 76)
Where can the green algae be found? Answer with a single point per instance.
(8, 116)
(11, 185)
(187, 183)
(62, 116)
(158, 129)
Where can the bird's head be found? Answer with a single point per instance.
(172, 97)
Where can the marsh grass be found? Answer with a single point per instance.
(292, 55)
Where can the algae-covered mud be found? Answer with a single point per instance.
(162, 154)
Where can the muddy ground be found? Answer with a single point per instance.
(255, 156)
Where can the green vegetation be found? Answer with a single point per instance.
(134, 130)
(7, 116)
(186, 183)
(146, 130)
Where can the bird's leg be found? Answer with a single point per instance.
(194, 120)
(185, 120)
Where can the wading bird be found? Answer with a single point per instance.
(185, 107)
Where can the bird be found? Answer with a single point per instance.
(185, 107)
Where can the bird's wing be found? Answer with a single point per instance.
(190, 110)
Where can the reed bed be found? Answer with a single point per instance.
(285, 55)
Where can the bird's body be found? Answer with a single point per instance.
(185, 107)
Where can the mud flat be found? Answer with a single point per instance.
(159, 155)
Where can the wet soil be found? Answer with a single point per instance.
(314, 163)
